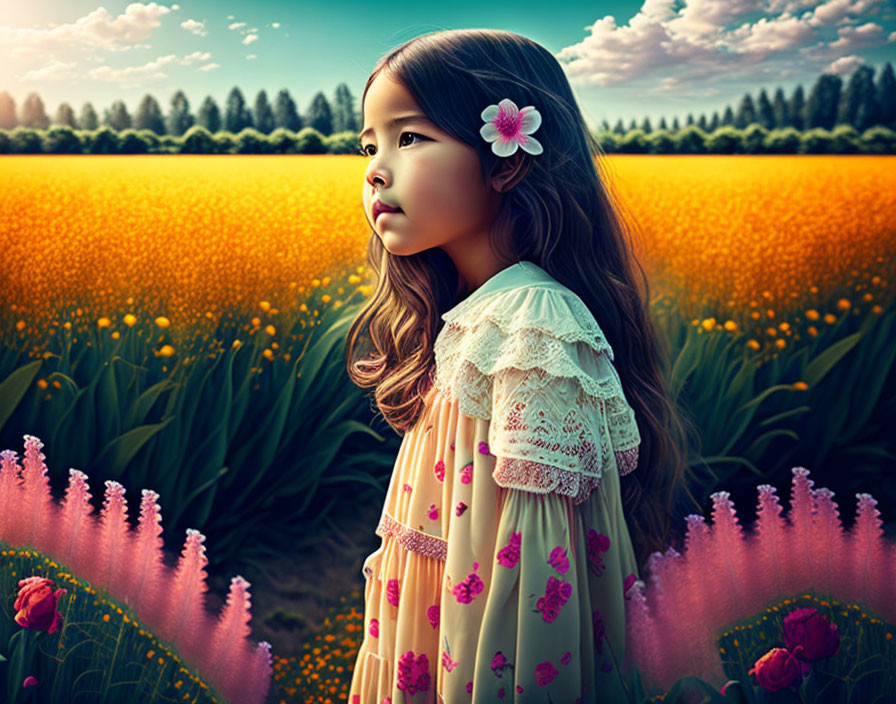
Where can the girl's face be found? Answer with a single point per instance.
(432, 177)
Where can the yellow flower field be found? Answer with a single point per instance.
(190, 237)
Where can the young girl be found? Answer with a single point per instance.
(506, 556)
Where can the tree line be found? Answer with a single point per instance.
(862, 103)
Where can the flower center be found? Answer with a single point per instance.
(506, 125)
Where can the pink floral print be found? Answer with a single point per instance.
(566, 657)
(499, 664)
(392, 592)
(509, 555)
(597, 543)
(545, 673)
(461, 507)
(439, 469)
(466, 474)
(557, 593)
(433, 513)
(374, 628)
(467, 590)
(558, 560)
(413, 673)
(447, 662)
(432, 614)
(407, 487)
(483, 448)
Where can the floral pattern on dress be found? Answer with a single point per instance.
(413, 672)
(467, 590)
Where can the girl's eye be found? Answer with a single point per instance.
(365, 147)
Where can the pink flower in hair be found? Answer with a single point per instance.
(509, 128)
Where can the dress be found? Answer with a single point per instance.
(505, 556)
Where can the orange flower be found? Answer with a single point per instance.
(36, 604)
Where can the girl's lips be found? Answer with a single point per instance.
(388, 212)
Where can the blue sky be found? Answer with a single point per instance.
(624, 59)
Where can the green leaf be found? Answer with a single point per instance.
(14, 387)
(119, 452)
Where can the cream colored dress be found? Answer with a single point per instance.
(505, 556)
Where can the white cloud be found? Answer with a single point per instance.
(250, 38)
(53, 71)
(845, 65)
(236, 25)
(249, 57)
(209, 67)
(195, 27)
(680, 45)
(275, 25)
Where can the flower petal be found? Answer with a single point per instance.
(505, 147)
(509, 108)
(530, 120)
(531, 145)
(489, 132)
(490, 113)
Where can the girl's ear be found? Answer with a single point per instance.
(510, 171)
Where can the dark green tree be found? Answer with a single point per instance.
(779, 109)
(344, 110)
(765, 114)
(285, 113)
(209, 116)
(262, 114)
(149, 115)
(88, 120)
(796, 110)
(746, 112)
(320, 116)
(886, 96)
(236, 114)
(179, 117)
(117, 116)
(821, 106)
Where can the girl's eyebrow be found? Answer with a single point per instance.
(401, 120)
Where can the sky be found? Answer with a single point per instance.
(628, 60)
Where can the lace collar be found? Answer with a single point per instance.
(520, 273)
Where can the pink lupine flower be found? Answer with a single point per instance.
(461, 507)
(545, 673)
(439, 470)
(392, 592)
(466, 474)
(467, 590)
(432, 613)
(447, 662)
(433, 513)
(509, 555)
(558, 560)
(374, 628)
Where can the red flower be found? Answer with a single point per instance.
(36, 604)
(778, 669)
(809, 635)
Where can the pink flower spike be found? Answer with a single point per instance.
(509, 128)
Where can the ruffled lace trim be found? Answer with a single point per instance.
(413, 540)
(534, 362)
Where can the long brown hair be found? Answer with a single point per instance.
(560, 215)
